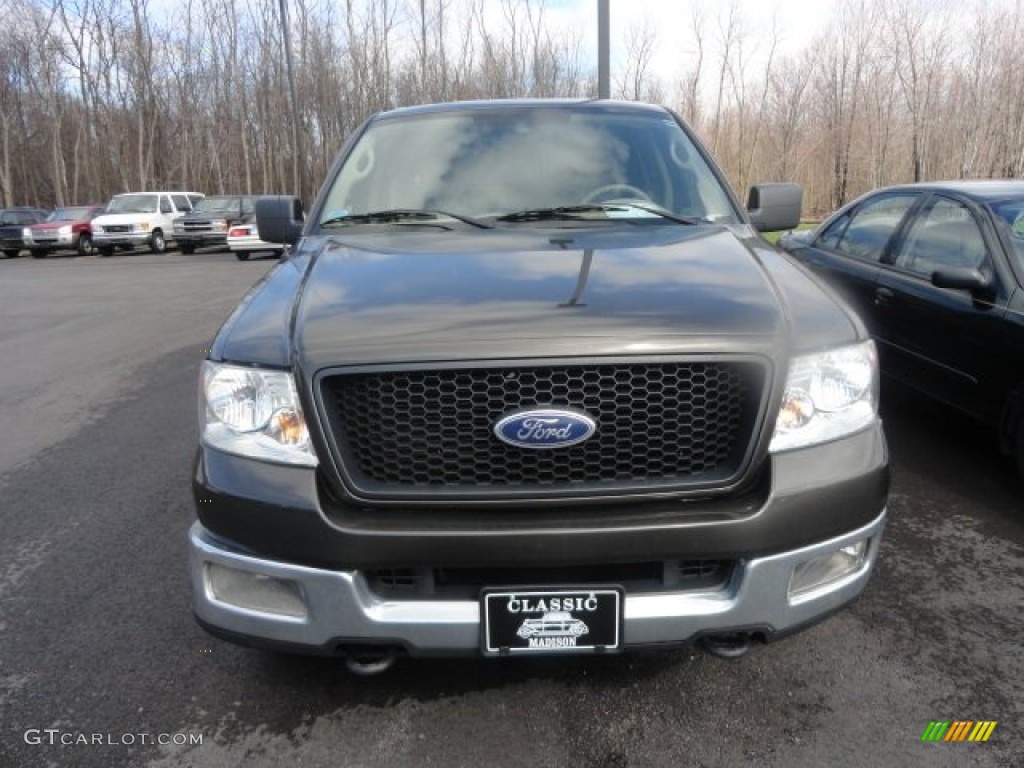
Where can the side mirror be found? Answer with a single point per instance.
(963, 279)
(793, 240)
(279, 219)
(775, 206)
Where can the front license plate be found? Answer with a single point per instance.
(533, 621)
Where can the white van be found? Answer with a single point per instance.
(140, 218)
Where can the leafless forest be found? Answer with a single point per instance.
(102, 96)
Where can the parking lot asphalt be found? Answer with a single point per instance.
(97, 432)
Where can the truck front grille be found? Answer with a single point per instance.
(198, 226)
(428, 434)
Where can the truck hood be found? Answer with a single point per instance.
(108, 219)
(48, 225)
(434, 296)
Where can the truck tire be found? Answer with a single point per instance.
(12, 253)
(242, 255)
(157, 244)
(187, 248)
(38, 253)
(106, 250)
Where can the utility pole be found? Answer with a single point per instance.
(604, 88)
(423, 50)
(298, 168)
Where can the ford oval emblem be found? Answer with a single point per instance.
(545, 428)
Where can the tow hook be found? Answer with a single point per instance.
(730, 646)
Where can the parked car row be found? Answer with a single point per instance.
(151, 220)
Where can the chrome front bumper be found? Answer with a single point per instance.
(341, 609)
(121, 238)
(51, 241)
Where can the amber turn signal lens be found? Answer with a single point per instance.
(291, 427)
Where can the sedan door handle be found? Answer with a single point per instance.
(884, 296)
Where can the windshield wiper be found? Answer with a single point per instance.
(571, 212)
(401, 214)
(657, 210)
(579, 213)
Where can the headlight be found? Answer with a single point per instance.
(255, 413)
(65, 230)
(26, 235)
(219, 225)
(143, 225)
(827, 396)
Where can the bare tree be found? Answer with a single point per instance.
(691, 81)
(636, 82)
(730, 33)
(844, 56)
(918, 36)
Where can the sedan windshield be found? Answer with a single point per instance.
(513, 162)
(70, 214)
(1011, 212)
(134, 204)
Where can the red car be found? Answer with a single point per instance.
(65, 229)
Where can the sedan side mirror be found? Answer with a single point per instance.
(279, 219)
(793, 240)
(962, 278)
(775, 206)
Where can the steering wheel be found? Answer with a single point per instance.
(636, 193)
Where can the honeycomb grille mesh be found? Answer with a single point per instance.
(663, 423)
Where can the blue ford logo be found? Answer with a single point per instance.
(545, 428)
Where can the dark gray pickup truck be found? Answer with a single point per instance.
(530, 382)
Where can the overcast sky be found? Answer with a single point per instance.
(797, 21)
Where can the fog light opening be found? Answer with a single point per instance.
(826, 569)
(255, 591)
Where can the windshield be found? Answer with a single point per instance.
(216, 204)
(494, 162)
(134, 204)
(70, 214)
(1011, 212)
